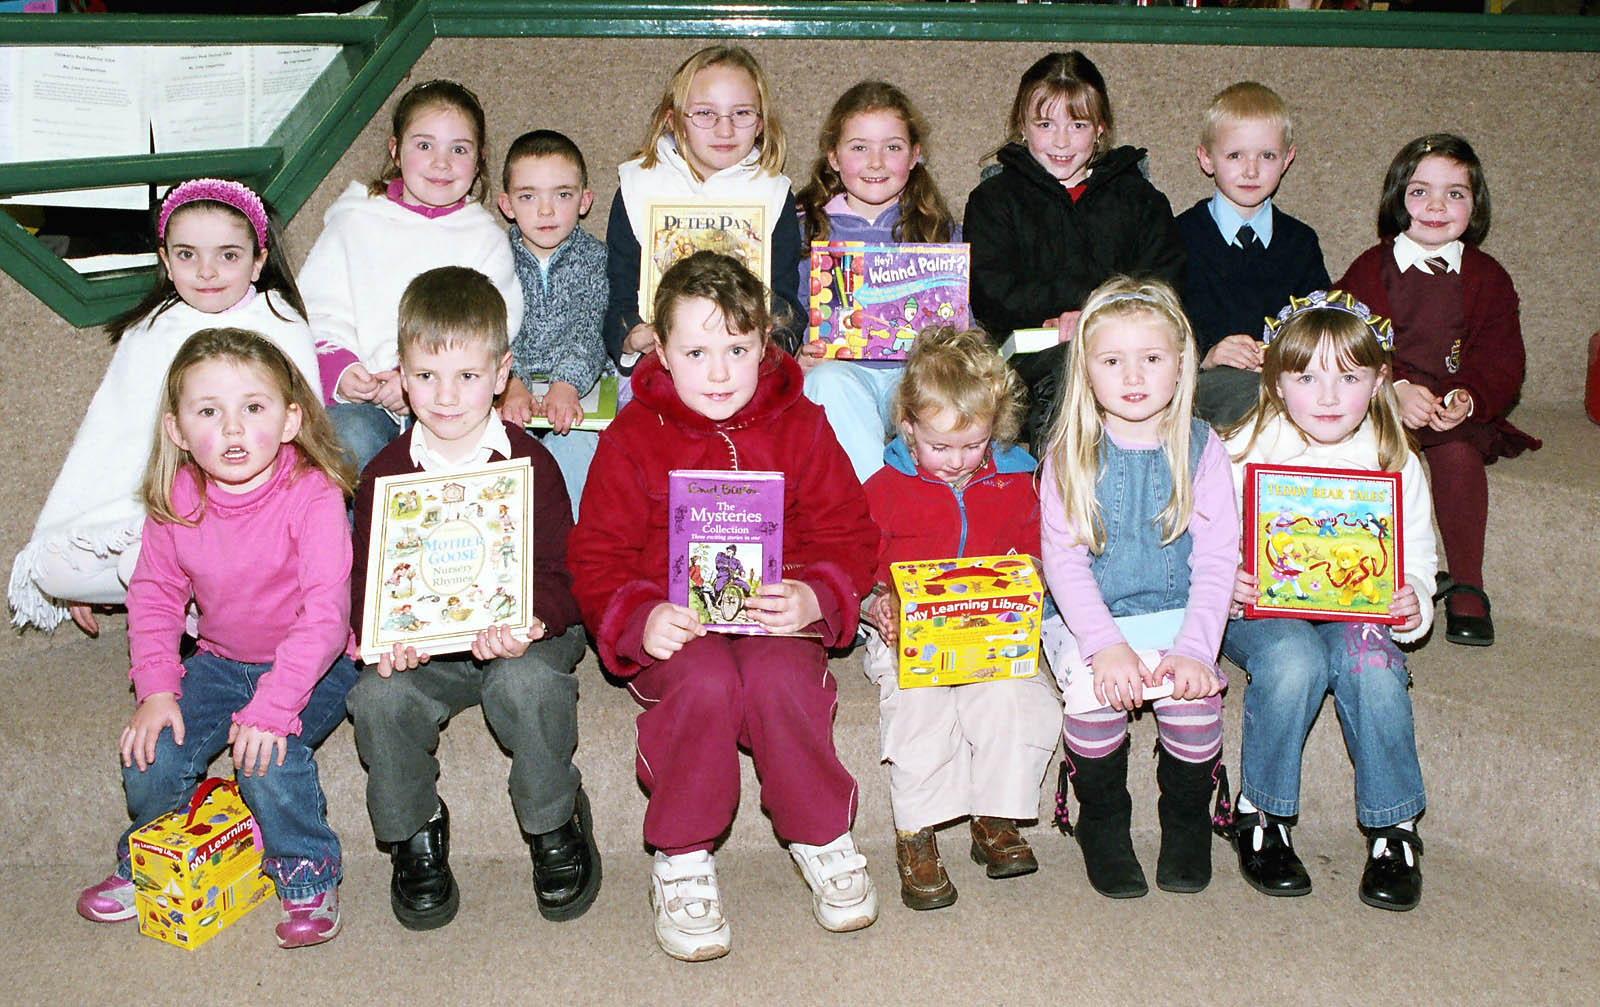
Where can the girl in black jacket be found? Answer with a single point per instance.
(1061, 213)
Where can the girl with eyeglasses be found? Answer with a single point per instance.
(714, 136)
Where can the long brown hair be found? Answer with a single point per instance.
(1072, 77)
(923, 213)
(318, 444)
(426, 97)
(1350, 343)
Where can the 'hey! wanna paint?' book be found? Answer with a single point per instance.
(1324, 543)
(676, 229)
(868, 302)
(448, 555)
(724, 541)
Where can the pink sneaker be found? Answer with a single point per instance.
(309, 921)
(110, 901)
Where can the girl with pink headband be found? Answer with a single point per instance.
(221, 264)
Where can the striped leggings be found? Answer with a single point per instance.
(1191, 730)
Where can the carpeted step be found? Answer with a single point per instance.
(1480, 714)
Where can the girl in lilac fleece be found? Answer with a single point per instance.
(870, 183)
(246, 494)
(1138, 524)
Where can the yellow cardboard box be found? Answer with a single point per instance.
(974, 619)
(198, 869)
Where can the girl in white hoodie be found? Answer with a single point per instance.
(1327, 401)
(714, 137)
(424, 210)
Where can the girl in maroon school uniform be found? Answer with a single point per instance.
(717, 394)
(1458, 357)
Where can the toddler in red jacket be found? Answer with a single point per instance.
(953, 484)
(718, 394)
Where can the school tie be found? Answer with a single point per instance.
(1438, 265)
(1246, 236)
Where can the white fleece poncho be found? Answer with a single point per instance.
(94, 506)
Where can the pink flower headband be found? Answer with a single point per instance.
(216, 190)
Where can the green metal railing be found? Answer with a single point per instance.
(378, 51)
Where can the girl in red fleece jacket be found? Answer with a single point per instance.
(717, 394)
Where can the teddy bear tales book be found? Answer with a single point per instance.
(448, 556)
(868, 302)
(1324, 543)
(724, 541)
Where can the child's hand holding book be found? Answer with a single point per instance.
(668, 628)
(785, 607)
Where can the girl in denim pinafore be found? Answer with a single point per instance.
(1139, 526)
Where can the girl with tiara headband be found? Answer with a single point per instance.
(1327, 401)
(221, 264)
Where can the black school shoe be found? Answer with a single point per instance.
(566, 865)
(1467, 630)
(1273, 869)
(422, 891)
(1393, 877)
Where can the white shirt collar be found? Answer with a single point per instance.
(1229, 220)
(1410, 255)
(494, 439)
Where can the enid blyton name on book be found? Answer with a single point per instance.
(723, 489)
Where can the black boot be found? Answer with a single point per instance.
(1105, 814)
(566, 865)
(1185, 861)
(422, 890)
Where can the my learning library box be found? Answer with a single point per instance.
(968, 620)
(198, 869)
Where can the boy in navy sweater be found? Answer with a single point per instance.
(1246, 256)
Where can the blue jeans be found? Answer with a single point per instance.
(856, 399)
(364, 429)
(1291, 665)
(573, 451)
(300, 853)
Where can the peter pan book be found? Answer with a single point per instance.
(599, 406)
(967, 619)
(724, 541)
(868, 302)
(1324, 543)
(676, 229)
(448, 555)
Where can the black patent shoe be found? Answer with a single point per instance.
(1273, 869)
(1467, 630)
(566, 865)
(1393, 877)
(422, 890)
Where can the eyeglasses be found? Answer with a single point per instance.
(742, 118)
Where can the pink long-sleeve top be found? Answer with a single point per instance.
(1213, 560)
(269, 571)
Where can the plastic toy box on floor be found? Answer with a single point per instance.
(198, 869)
